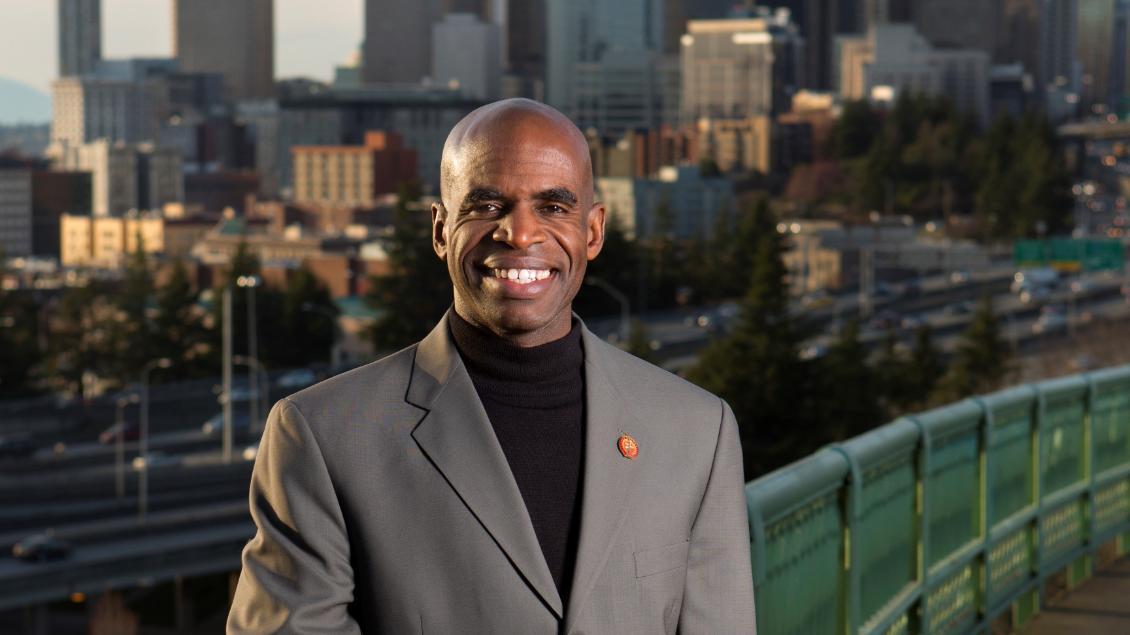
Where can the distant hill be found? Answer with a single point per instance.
(20, 103)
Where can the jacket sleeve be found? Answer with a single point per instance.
(296, 575)
(718, 597)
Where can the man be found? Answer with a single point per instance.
(511, 473)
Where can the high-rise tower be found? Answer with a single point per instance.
(80, 36)
(236, 39)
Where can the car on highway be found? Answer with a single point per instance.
(1035, 295)
(240, 424)
(297, 378)
(967, 307)
(884, 320)
(16, 448)
(251, 451)
(157, 458)
(41, 547)
(1051, 322)
(131, 430)
(960, 276)
(819, 299)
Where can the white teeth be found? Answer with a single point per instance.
(521, 276)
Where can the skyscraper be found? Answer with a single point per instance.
(1096, 40)
(235, 39)
(967, 24)
(398, 40)
(80, 36)
(605, 64)
(820, 22)
(1058, 41)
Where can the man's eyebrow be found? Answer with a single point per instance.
(481, 194)
(557, 195)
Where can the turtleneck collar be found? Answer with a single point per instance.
(544, 376)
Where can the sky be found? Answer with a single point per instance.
(311, 36)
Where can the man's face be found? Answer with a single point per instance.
(518, 230)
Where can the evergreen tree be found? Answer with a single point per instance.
(891, 373)
(132, 334)
(180, 333)
(617, 264)
(416, 291)
(850, 394)
(639, 342)
(855, 130)
(924, 368)
(19, 352)
(980, 363)
(306, 321)
(755, 368)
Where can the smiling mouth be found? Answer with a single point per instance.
(521, 276)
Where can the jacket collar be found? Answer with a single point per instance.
(460, 441)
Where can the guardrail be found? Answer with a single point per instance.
(943, 521)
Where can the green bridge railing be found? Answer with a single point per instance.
(941, 522)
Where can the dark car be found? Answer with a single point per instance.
(41, 548)
(240, 424)
(130, 432)
(15, 448)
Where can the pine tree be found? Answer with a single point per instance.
(639, 342)
(850, 394)
(980, 364)
(416, 291)
(306, 321)
(890, 371)
(755, 368)
(180, 333)
(19, 352)
(132, 334)
(924, 369)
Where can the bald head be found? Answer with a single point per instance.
(502, 122)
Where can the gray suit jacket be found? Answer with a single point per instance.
(384, 504)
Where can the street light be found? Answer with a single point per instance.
(119, 443)
(246, 360)
(625, 319)
(335, 350)
(143, 437)
(249, 283)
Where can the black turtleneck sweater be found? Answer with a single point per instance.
(535, 400)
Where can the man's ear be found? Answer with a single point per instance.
(595, 224)
(439, 221)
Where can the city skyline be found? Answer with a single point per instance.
(309, 40)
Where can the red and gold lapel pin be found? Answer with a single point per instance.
(628, 446)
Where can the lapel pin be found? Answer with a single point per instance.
(628, 446)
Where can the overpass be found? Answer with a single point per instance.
(950, 520)
(942, 522)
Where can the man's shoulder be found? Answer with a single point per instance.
(383, 379)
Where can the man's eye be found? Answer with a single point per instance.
(554, 209)
(487, 208)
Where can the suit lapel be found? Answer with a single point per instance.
(608, 476)
(457, 437)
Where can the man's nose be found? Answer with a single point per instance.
(520, 228)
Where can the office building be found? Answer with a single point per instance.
(1018, 36)
(465, 56)
(1096, 42)
(821, 23)
(398, 40)
(15, 208)
(421, 116)
(604, 63)
(525, 48)
(1059, 34)
(127, 176)
(963, 24)
(740, 68)
(233, 38)
(80, 36)
(54, 193)
(352, 175)
(93, 107)
(92, 241)
(894, 58)
(691, 200)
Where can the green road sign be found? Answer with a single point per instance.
(1070, 254)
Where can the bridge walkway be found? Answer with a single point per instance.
(1099, 606)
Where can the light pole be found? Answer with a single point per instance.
(251, 362)
(119, 445)
(143, 437)
(335, 350)
(249, 283)
(625, 315)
